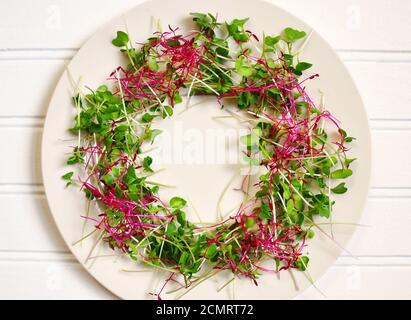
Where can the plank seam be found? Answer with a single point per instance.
(347, 55)
(38, 188)
(66, 257)
(376, 124)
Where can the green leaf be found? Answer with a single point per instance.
(310, 234)
(271, 41)
(168, 112)
(177, 203)
(340, 189)
(152, 63)
(147, 161)
(347, 161)
(293, 215)
(121, 40)
(303, 66)
(88, 194)
(249, 223)
(155, 189)
(302, 263)
(109, 179)
(291, 210)
(177, 98)
(291, 35)
(221, 46)
(246, 99)
(327, 165)
(299, 203)
(341, 174)
(151, 134)
(243, 66)
(265, 212)
(295, 71)
(116, 172)
(205, 21)
(183, 258)
(130, 177)
(236, 30)
(198, 15)
(110, 113)
(68, 176)
(181, 217)
(322, 205)
(324, 211)
(346, 138)
(171, 229)
(320, 182)
(102, 88)
(288, 59)
(290, 205)
(147, 118)
(77, 157)
(211, 251)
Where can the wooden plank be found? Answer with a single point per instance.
(56, 24)
(384, 87)
(29, 86)
(385, 231)
(21, 161)
(391, 159)
(48, 280)
(30, 227)
(347, 25)
(361, 282)
(68, 280)
(356, 24)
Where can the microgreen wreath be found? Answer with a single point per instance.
(300, 158)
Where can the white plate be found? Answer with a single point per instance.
(97, 58)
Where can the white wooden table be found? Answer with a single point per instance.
(37, 37)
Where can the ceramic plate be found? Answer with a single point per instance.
(200, 181)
